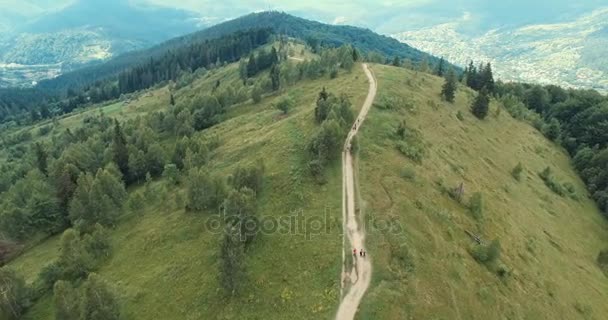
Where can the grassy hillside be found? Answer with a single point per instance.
(426, 270)
(165, 261)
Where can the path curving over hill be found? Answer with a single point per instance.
(360, 274)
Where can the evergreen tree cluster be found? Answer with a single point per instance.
(480, 77)
(201, 55)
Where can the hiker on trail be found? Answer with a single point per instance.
(361, 252)
(364, 253)
(354, 252)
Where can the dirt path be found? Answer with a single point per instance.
(360, 274)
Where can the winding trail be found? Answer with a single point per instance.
(361, 273)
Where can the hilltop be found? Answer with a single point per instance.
(141, 198)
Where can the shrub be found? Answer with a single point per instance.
(550, 181)
(284, 104)
(460, 115)
(487, 254)
(517, 171)
(602, 261)
(408, 174)
(415, 153)
(476, 206)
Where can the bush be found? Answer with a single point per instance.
(460, 115)
(414, 152)
(476, 206)
(408, 174)
(487, 254)
(517, 171)
(284, 104)
(550, 181)
(602, 261)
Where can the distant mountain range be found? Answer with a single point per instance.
(332, 35)
(82, 33)
(571, 54)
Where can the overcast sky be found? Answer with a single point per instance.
(388, 16)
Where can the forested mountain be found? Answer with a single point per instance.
(317, 33)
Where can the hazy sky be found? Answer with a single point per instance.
(386, 16)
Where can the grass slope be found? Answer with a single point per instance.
(165, 261)
(549, 243)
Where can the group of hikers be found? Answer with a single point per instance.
(362, 252)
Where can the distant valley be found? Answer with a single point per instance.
(81, 34)
(571, 54)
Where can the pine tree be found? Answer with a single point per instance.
(275, 77)
(252, 67)
(355, 54)
(397, 61)
(481, 104)
(274, 56)
(172, 100)
(449, 87)
(440, 68)
(471, 75)
(487, 78)
(41, 158)
(120, 153)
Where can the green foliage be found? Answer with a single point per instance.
(120, 153)
(551, 182)
(231, 261)
(602, 261)
(284, 104)
(459, 115)
(448, 91)
(31, 205)
(66, 301)
(517, 171)
(204, 191)
(171, 173)
(256, 94)
(476, 206)
(275, 77)
(15, 295)
(251, 177)
(98, 300)
(481, 105)
(410, 143)
(97, 199)
(240, 213)
(408, 174)
(487, 254)
(74, 261)
(552, 130)
(479, 78)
